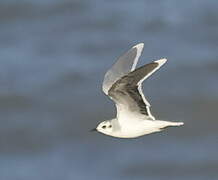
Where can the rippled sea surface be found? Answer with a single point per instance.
(53, 56)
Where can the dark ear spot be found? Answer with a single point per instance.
(104, 127)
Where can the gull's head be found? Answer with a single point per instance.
(105, 127)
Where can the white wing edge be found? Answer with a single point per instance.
(139, 48)
(160, 63)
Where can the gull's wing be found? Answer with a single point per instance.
(122, 67)
(127, 92)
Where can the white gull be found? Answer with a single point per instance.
(123, 84)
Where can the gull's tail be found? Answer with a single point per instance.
(164, 124)
(175, 123)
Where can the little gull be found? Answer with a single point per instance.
(123, 84)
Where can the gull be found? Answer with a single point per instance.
(123, 84)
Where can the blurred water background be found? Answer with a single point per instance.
(53, 56)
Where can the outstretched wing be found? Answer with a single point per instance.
(127, 92)
(122, 67)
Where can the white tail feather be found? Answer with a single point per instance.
(174, 123)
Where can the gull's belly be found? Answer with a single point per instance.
(138, 129)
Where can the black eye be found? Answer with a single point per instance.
(104, 127)
(110, 126)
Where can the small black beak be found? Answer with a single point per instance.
(92, 130)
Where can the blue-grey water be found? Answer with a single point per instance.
(53, 56)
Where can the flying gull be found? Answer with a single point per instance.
(123, 84)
